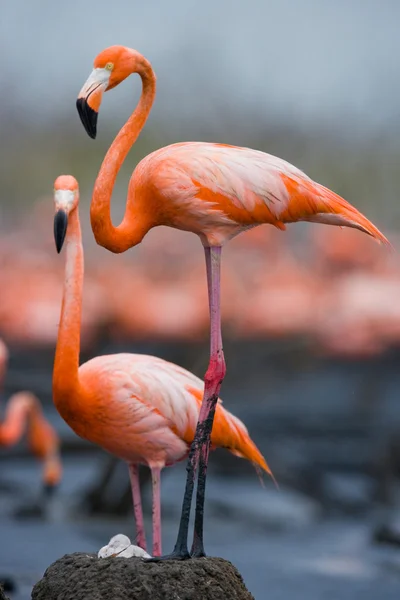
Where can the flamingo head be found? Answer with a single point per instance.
(66, 198)
(111, 66)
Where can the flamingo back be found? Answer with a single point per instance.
(217, 191)
(136, 407)
(145, 410)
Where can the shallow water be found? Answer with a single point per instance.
(281, 552)
(324, 422)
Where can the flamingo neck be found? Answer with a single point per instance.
(66, 365)
(130, 231)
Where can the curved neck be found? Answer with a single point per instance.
(66, 365)
(129, 232)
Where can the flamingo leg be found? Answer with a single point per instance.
(155, 478)
(199, 451)
(137, 505)
(212, 384)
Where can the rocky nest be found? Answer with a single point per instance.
(81, 576)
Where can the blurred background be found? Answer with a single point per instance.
(311, 317)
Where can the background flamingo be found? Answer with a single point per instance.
(3, 361)
(24, 414)
(213, 190)
(140, 408)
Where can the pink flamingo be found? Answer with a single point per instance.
(140, 408)
(24, 413)
(213, 190)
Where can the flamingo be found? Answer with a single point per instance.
(24, 412)
(3, 361)
(213, 190)
(139, 408)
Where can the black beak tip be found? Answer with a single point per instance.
(88, 117)
(60, 229)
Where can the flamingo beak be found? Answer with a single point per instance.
(89, 99)
(60, 228)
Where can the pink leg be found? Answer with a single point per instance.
(212, 385)
(198, 455)
(155, 478)
(137, 505)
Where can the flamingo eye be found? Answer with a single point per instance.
(109, 66)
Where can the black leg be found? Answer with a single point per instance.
(198, 545)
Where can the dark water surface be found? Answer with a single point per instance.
(285, 549)
(329, 430)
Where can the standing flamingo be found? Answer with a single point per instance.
(24, 412)
(3, 362)
(213, 190)
(140, 408)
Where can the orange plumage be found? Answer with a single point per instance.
(24, 414)
(140, 408)
(213, 190)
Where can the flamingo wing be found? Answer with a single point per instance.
(138, 407)
(149, 407)
(246, 187)
(242, 175)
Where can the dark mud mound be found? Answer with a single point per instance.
(85, 577)
(2, 594)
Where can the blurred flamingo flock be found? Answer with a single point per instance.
(335, 287)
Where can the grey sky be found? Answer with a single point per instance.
(304, 58)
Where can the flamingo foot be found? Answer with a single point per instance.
(180, 552)
(197, 551)
(173, 556)
(120, 547)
